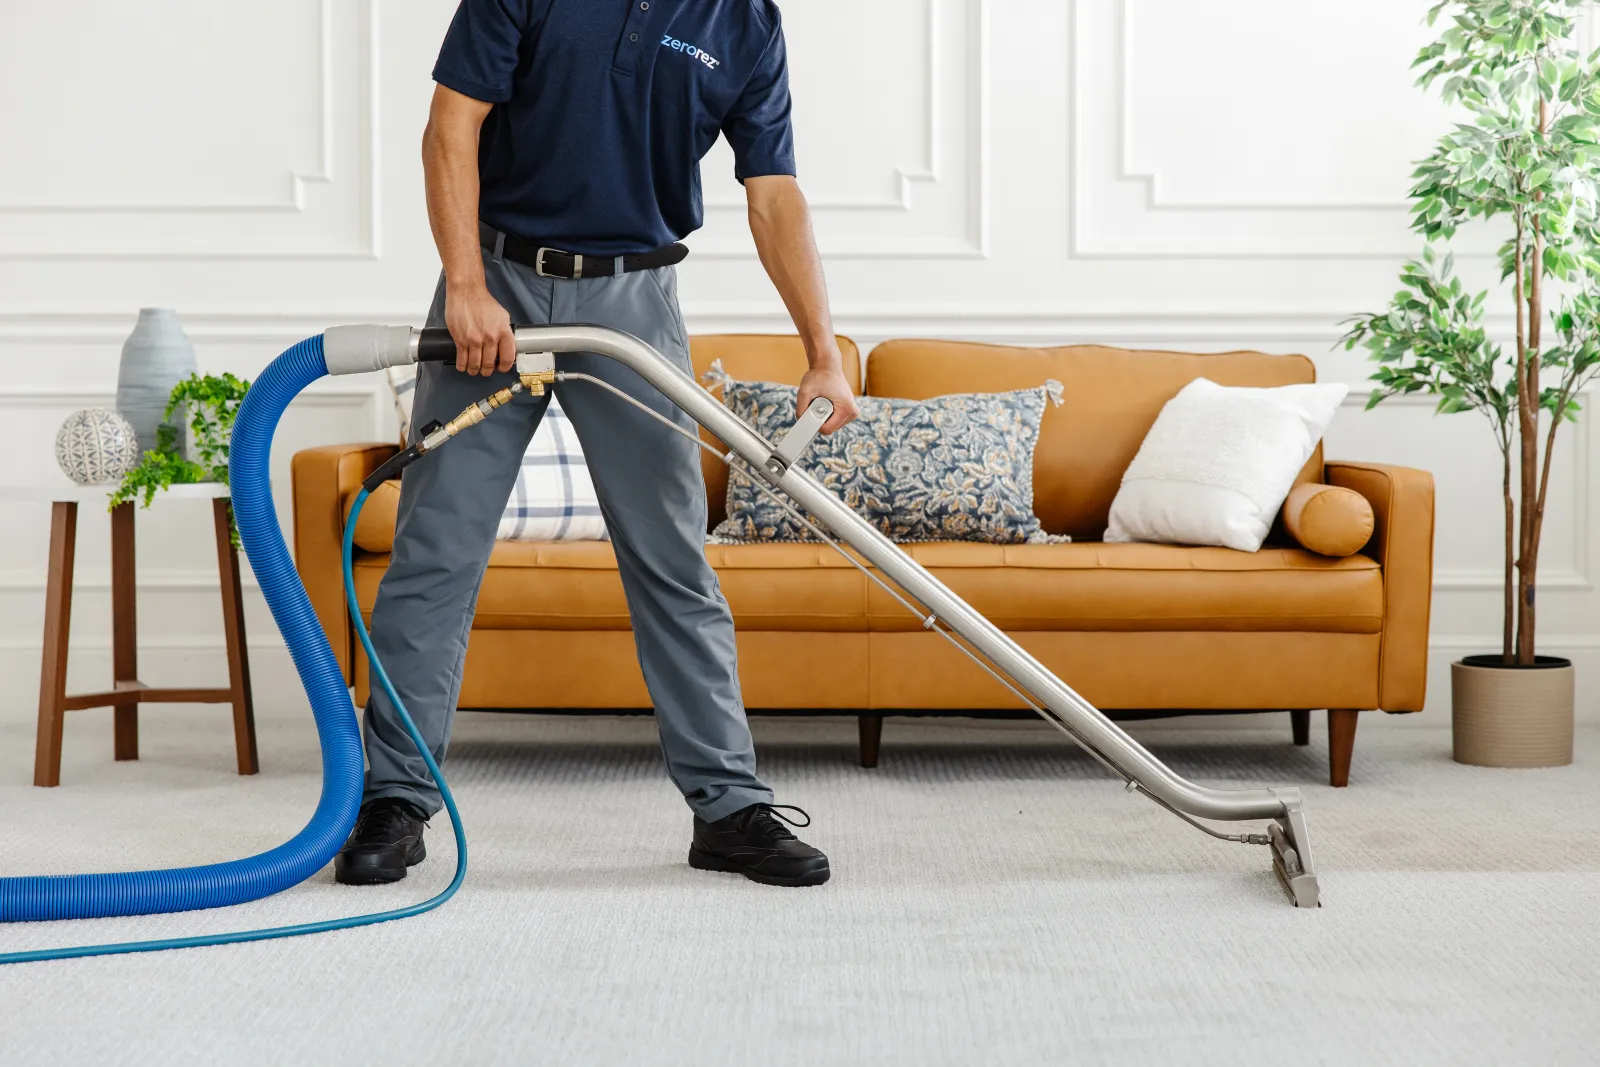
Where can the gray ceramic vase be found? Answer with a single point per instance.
(156, 356)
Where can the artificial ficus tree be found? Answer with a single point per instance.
(1526, 158)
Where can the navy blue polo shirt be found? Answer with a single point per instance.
(603, 110)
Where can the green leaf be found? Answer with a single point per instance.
(211, 404)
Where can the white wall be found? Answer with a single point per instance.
(1154, 172)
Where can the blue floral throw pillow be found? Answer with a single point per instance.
(951, 468)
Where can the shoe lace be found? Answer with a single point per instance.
(384, 815)
(768, 820)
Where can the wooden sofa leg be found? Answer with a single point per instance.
(1341, 743)
(871, 733)
(1300, 723)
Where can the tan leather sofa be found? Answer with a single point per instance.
(1135, 628)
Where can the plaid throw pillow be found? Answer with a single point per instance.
(554, 497)
(951, 468)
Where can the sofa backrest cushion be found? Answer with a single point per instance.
(1111, 399)
(755, 358)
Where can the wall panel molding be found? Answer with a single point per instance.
(1154, 199)
(963, 22)
(1047, 321)
(1316, 330)
(366, 398)
(1119, 211)
(925, 171)
(329, 211)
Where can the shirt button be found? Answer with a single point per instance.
(633, 36)
(644, 5)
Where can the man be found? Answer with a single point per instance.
(562, 162)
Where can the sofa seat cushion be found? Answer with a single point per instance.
(573, 585)
(1091, 586)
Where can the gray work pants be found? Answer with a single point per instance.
(653, 498)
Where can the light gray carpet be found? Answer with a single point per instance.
(995, 900)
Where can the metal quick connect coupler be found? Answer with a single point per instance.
(470, 416)
(435, 434)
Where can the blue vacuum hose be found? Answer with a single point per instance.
(85, 896)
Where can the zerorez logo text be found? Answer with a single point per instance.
(669, 41)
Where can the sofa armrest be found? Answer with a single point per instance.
(322, 479)
(1402, 543)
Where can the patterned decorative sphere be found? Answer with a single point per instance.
(96, 445)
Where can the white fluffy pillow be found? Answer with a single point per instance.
(1218, 463)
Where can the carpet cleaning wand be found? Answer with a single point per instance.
(771, 468)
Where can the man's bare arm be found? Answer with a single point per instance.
(480, 326)
(780, 221)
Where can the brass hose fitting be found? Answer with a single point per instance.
(536, 370)
(476, 413)
(536, 381)
(434, 435)
(471, 416)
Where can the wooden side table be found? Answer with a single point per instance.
(127, 692)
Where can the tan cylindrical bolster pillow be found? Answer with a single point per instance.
(375, 528)
(1327, 519)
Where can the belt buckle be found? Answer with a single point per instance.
(538, 263)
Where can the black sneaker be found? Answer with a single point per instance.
(387, 839)
(753, 842)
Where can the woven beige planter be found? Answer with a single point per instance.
(1512, 716)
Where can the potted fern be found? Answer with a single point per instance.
(210, 403)
(1525, 159)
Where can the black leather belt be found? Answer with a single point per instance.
(556, 263)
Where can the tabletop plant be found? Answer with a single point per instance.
(1524, 157)
(210, 403)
